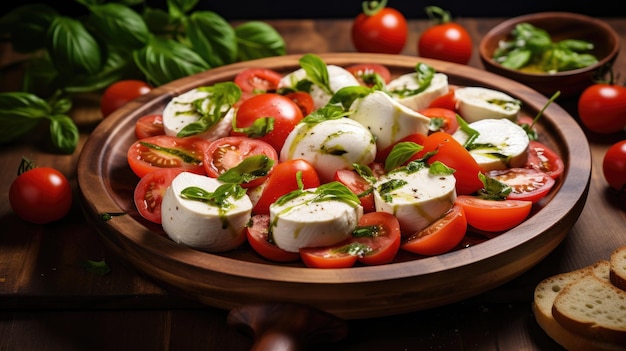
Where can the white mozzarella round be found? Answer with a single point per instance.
(387, 119)
(339, 78)
(418, 203)
(504, 144)
(476, 103)
(438, 86)
(301, 222)
(200, 225)
(330, 145)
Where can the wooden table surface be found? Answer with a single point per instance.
(48, 300)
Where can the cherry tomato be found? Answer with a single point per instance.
(442, 119)
(228, 152)
(526, 183)
(283, 180)
(148, 126)
(364, 73)
(452, 154)
(447, 41)
(602, 108)
(493, 215)
(257, 80)
(379, 29)
(382, 236)
(257, 233)
(447, 101)
(120, 93)
(304, 100)
(614, 166)
(258, 109)
(542, 158)
(164, 151)
(40, 195)
(358, 185)
(149, 192)
(337, 256)
(441, 236)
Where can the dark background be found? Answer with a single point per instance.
(294, 9)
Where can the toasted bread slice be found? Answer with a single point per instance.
(618, 267)
(592, 307)
(545, 294)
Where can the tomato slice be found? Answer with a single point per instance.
(526, 183)
(257, 233)
(492, 215)
(150, 190)
(149, 126)
(257, 80)
(283, 180)
(441, 236)
(383, 237)
(447, 101)
(226, 153)
(164, 151)
(337, 256)
(544, 159)
(359, 186)
(444, 119)
(304, 100)
(364, 73)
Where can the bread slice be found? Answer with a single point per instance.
(618, 267)
(594, 308)
(545, 294)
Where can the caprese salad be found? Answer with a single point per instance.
(338, 166)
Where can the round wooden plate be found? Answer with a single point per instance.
(410, 283)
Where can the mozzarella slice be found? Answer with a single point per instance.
(177, 114)
(408, 82)
(476, 103)
(200, 225)
(330, 145)
(423, 199)
(500, 144)
(387, 119)
(339, 78)
(302, 222)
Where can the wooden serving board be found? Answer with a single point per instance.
(410, 283)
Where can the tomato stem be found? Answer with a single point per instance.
(371, 8)
(25, 165)
(439, 15)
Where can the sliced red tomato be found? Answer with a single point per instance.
(381, 233)
(257, 80)
(493, 215)
(304, 100)
(358, 185)
(452, 154)
(442, 118)
(364, 73)
(164, 151)
(257, 233)
(283, 180)
(441, 236)
(149, 126)
(542, 158)
(337, 256)
(253, 118)
(150, 190)
(526, 183)
(228, 152)
(447, 101)
(381, 155)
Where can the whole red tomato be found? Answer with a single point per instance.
(121, 92)
(447, 41)
(614, 166)
(379, 29)
(40, 195)
(602, 108)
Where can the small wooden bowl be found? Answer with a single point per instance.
(560, 25)
(239, 277)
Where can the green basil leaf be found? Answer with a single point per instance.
(13, 127)
(157, 20)
(116, 67)
(347, 95)
(40, 76)
(119, 25)
(23, 104)
(249, 169)
(317, 71)
(178, 8)
(72, 48)
(212, 38)
(439, 168)
(401, 153)
(64, 133)
(164, 60)
(257, 39)
(28, 26)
